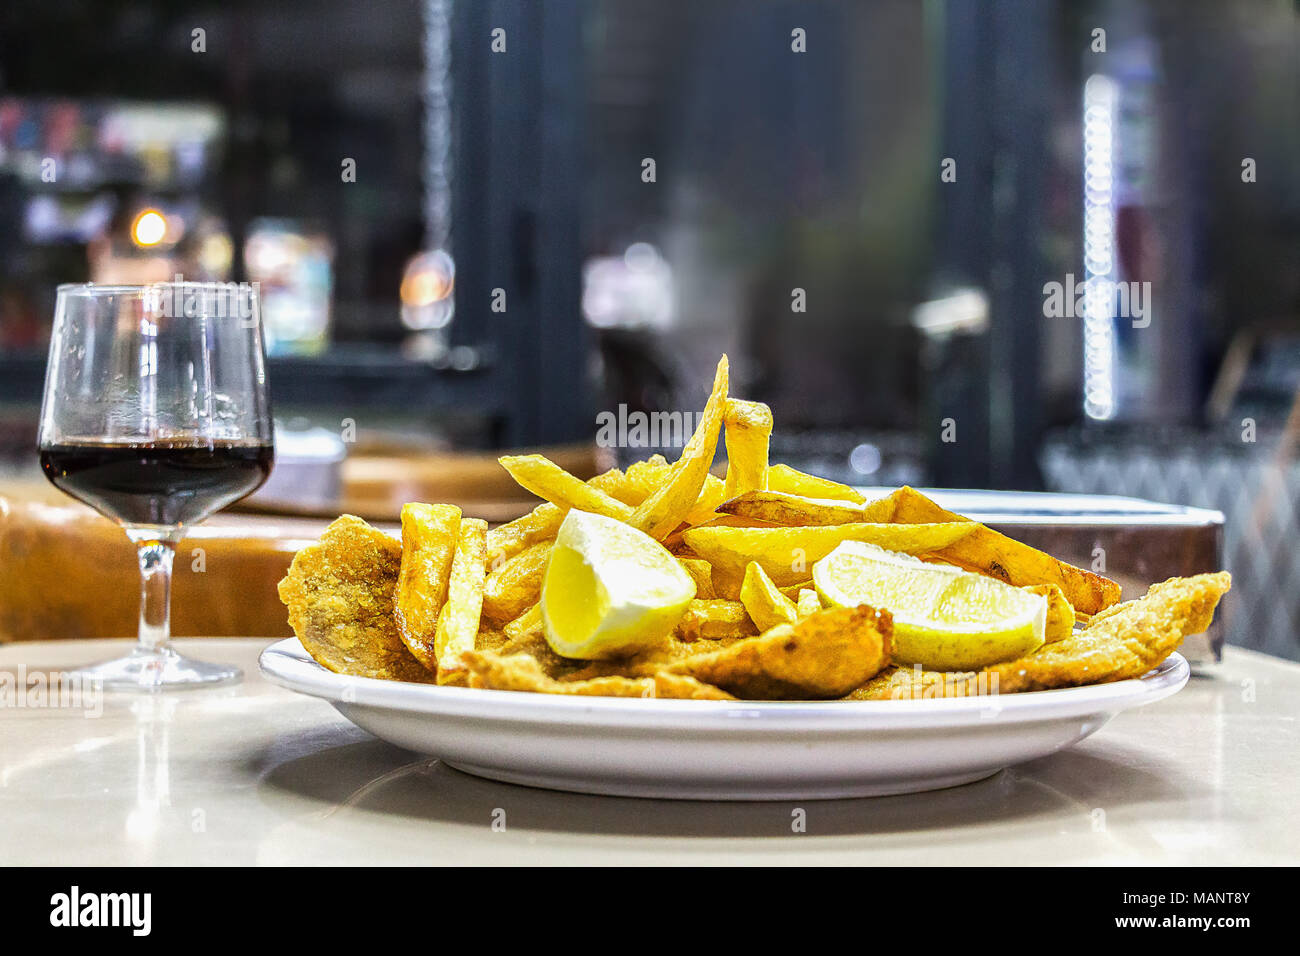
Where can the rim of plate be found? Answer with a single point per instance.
(286, 663)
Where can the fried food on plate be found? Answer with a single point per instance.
(747, 429)
(458, 624)
(792, 482)
(517, 584)
(766, 605)
(996, 555)
(429, 534)
(340, 598)
(787, 554)
(664, 510)
(1126, 642)
(825, 655)
(673, 582)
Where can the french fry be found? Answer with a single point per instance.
(644, 477)
(507, 540)
(1060, 616)
(787, 554)
(546, 479)
(664, 510)
(712, 494)
(747, 429)
(511, 588)
(701, 573)
(429, 534)
(530, 622)
(998, 556)
(766, 605)
(787, 479)
(458, 623)
(783, 508)
(714, 619)
(808, 603)
(617, 485)
(727, 583)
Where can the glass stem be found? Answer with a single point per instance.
(156, 556)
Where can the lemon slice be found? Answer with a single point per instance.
(610, 590)
(944, 618)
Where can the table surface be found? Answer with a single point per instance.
(254, 774)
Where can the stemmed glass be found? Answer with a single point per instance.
(156, 414)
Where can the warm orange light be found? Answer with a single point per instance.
(425, 287)
(149, 228)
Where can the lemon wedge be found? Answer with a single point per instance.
(944, 618)
(610, 590)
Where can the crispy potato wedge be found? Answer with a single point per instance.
(507, 540)
(747, 431)
(459, 621)
(715, 619)
(664, 510)
(646, 477)
(787, 479)
(617, 485)
(429, 535)
(512, 588)
(826, 655)
(712, 493)
(783, 508)
(1060, 616)
(339, 593)
(766, 605)
(998, 556)
(546, 479)
(701, 573)
(787, 554)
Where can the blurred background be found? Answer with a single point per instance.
(476, 225)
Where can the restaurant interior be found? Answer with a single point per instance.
(480, 226)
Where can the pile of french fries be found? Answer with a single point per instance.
(748, 540)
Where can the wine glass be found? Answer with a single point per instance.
(156, 414)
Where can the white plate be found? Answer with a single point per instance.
(720, 750)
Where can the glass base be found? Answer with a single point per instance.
(159, 669)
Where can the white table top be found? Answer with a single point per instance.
(254, 774)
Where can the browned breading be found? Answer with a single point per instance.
(340, 598)
(826, 654)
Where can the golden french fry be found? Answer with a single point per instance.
(825, 655)
(712, 494)
(1060, 616)
(766, 605)
(747, 429)
(461, 614)
(808, 602)
(787, 479)
(783, 508)
(429, 535)
(714, 619)
(530, 622)
(507, 540)
(617, 485)
(511, 588)
(664, 510)
(339, 593)
(546, 479)
(787, 554)
(645, 477)
(998, 556)
(701, 573)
